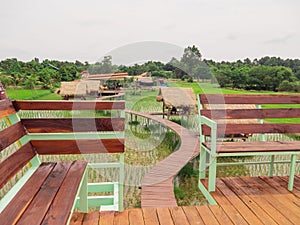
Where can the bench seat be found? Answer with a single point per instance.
(48, 196)
(248, 147)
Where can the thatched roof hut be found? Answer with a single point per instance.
(92, 86)
(74, 88)
(78, 89)
(177, 101)
(177, 97)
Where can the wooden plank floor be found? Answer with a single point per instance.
(157, 184)
(246, 200)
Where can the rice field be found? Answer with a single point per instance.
(28, 94)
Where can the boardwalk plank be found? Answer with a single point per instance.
(91, 218)
(121, 218)
(220, 215)
(77, 218)
(283, 181)
(288, 196)
(261, 200)
(237, 203)
(178, 216)
(164, 216)
(274, 198)
(207, 215)
(249, 202)
(106, 218)
(150, 216)
(192, 215)
(136, 217)
(232, 213)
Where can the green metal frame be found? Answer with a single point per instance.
(104, 202)
(208, 157)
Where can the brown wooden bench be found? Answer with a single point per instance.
(48, 192)
(212, 133)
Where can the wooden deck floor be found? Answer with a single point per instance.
(157, 184)
(255, 200)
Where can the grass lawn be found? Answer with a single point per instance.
(208, 88)
(24, 94)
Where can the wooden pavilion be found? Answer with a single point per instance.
(177, 101)
(79, 89)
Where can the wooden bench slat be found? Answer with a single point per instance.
(6, 108)
(10, 166)
(53, 147)
(249, 99)
(252, 128)
(11, 135)
(38, 207)
(59, 125)
(64, 200)
(251, 113)
(69, 105)
(11, 214)
(273, 146)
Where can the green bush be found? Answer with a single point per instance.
(179, 193)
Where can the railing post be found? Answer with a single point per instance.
(83, 194)
(292, 172)
(121, 182)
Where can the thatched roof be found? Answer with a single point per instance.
(107, 76)
(177, 97)
(92, 85)
(78, 88)
(73, 88)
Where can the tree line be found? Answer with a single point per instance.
(266, 73)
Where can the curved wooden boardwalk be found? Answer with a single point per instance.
(157, 184)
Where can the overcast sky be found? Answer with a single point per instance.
(88, 29)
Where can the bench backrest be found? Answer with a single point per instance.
(287, 106)
(75, 135)
(8, 136)
(49, 136)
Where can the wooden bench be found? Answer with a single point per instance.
(49, 192)
(213, 146)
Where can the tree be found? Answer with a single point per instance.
(31, 81)
(48, 77)
(191, 58)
